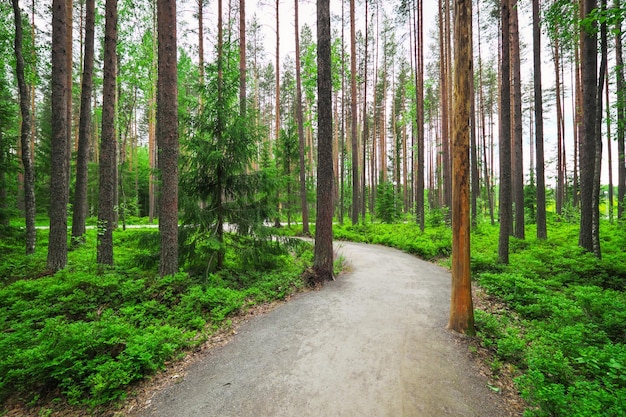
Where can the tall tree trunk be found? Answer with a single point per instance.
(59, 185)
(167, 135)
(461, 307)
(621, 118)
(353, 114)
(542, 232)
(300, 122)
(84, 129)
(277, 74)
(242, 57)
(33, 86)
(323, 254)
(365, 118)
(517, 164)
(576, 123)
(608, 144)
(342, 149)
(277, 105)
(483, 127)
(27, 160)
(589, 66)
(108, 140)
(219, 192)
(419, 190)
(475, 175)
(152, 116)
(445, 122)
(560, 187)
(595, 229)
(505, 138)
(69, 45)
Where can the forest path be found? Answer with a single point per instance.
(370, 344)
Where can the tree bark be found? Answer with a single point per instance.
(353, 124)
(323, 254)
(84, 129)
(560, 186)
(167, 135)
(363, 204)
(595, 229)
(419, 189)
(300, 122)
(517, 145)
(444, 75)
(108, 140)
(27, 160)
(589, 66)
(242, 57)
(505, 138)
(608, 144)
(59, 186)
(542, 231)
(461, 307)
(621, 119)
(69, 45)
(152, 116)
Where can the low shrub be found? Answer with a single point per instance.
(86, 333)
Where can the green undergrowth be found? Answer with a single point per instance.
(433, 243)
(86, 333)
(563, 324)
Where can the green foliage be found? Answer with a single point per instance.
(430, 244)
(569, 337)
(217, 184)
(85, 334)
(387, 203)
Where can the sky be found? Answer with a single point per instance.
(265, 10)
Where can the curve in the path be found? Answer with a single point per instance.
(371, 344)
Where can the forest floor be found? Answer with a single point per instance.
(371, 343)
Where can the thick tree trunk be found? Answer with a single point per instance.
(323, 257)
(461, 307)
(108, 141)
(167, 135)
(505, 139)
(27, 121)
(59, 187)
(542, 232)
(589, 65)
(84, 129)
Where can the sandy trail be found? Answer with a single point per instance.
(371, 344)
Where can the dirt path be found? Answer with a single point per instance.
(371, 344)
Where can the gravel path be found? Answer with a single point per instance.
(371, 344)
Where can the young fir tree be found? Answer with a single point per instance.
(218, 186)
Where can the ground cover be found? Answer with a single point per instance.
(84, 335)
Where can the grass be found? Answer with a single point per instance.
(84, 335)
